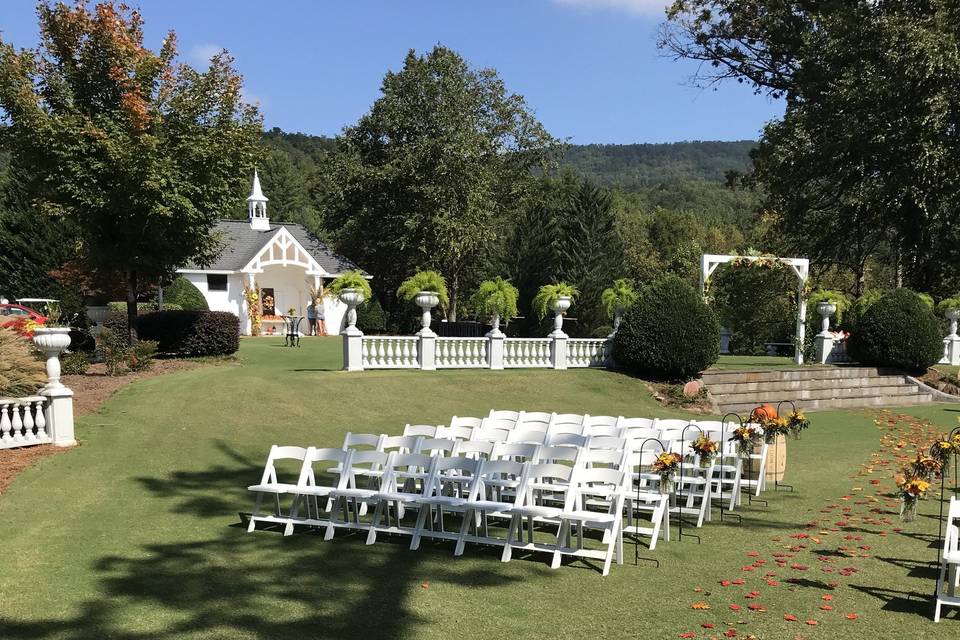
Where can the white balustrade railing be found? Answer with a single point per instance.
(527, 352)
(23, 422)
(389, 352)
(462, 353)
(587, 352)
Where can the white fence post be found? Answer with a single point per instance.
(352, 349)
(427, 350)
(60, 416)
(558, 351)
(495, 350)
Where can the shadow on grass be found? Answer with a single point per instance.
(920, 604)
(239, 584)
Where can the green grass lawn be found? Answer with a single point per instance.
(135, 535)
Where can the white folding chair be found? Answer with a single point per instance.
(559, 454)
(516, 451)
(638, 423)
(487, 500)
(602, 421)
(533, 421)
(556, 481)
(425, 430)
(466, 422)
(671, 423)
(502, 419)
(436, 446)
(604, 487)
(566, 440)
(270, 484)
(458, 432)
(525, 436)
(693, 483)
(400, 444)
(316, 482)
(361, 442)
(475, 449)
(444, 491)
(575, 429)
(367, 466)
(755, 464)
(727, 469)
(948, 580)
(644, 498)
(491, 434)
(406, 479)
(603, 430)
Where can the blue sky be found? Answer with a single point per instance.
(589, 68)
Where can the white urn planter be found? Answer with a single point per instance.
(352, 298)
(560, 307)
(494, 326)
(52, 341)
(826, 310)
(426, 300)
(952, 315)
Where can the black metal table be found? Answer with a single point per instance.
(292, 324)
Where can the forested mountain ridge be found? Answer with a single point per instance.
(635, 166)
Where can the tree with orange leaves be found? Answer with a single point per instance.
(142, 153)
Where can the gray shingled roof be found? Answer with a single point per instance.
(241, 244)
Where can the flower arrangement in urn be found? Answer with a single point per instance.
(496, 299)
(666, 466)
(706, 449)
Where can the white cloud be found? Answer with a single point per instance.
(199, 54)
(635, 7)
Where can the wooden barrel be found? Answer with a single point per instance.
(777, 459)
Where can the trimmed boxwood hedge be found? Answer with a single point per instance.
(191, 333)
(185, 294)
(898, 330)
(669, 332)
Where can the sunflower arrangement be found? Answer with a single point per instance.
(774, 427)
(911, 489)
(924, 467)
(706, 449)
(944, 448)
(797, 422)
(666, 466)
(746, 438)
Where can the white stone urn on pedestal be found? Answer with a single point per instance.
(560, 307)
(352, 298)
(494, 326)
(52, 341)
(426, 300)
(952, 315)
(825, 309)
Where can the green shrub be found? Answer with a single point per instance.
(669, 332)
(350, 280)
(144, 307)
(74, 363)
(495, 297)
(112, 351)
(140, 356)
(185, 295)
(116, 322)
(898, 330)
(191, 333)
(370, 317)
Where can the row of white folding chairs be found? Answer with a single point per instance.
(474, 488)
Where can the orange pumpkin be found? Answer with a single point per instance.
(763, 413)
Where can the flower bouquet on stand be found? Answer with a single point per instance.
(797, 423)
(773, 428)
(944, 449)
(924, 467)
(706, 450)
(666, 466)
(911, 489)
(746, 437)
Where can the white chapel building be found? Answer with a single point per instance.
(283, 258)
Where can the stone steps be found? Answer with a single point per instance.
(841, 387)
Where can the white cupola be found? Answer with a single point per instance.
(257, 206)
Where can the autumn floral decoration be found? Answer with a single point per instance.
(746, 438)
(945, 448)
(666, 466)
(774, 427)
(911, 489)
(706, 449)
(797, 422)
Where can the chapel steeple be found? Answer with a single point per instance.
(257, 206)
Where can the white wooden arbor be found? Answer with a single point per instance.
(800, 267)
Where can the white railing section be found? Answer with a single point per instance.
(587, 352)
(23, 422)
(527, 352)
(389, 352)
(462, 353)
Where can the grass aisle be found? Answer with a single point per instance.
(134, 534)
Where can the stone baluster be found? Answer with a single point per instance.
(40, 420)
(27, 408)
(4, 423)
(17, 422)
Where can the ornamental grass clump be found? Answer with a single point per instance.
(21, 373)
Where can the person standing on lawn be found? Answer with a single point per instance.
(321, 325)
(311, 319)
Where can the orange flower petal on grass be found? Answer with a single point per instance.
(700, 606)
(789, 617)
(735, 607)
(852, 616)
(688, 634)
(812, 623)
